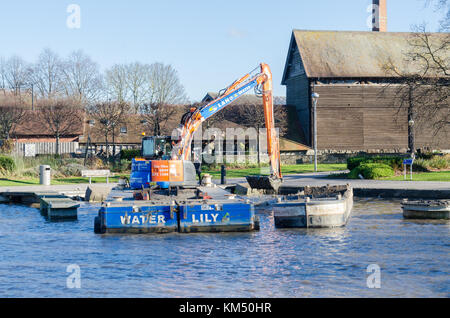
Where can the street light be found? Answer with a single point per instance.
(315, 98)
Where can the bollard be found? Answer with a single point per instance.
(44, 175)
(207, 180)
(223, 175)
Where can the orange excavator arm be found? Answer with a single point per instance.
(262, 80)
(273, 145)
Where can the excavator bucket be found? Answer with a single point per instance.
(264, 182)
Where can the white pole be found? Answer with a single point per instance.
(315, 97)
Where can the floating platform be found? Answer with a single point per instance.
(32, 197)
(59, 208)
(315, 207)
(191, 210)
(52, 204)
(429, 209)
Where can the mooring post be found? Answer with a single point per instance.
(223, 175)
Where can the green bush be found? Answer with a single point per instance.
(71, 170)
(426, 155)
(354, 162)
(420, 165)
(372, 171)
(128, 154)
(434, 163)
(395, 162)
(7, 164)
(122, 166)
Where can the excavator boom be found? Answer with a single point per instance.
(241, 86)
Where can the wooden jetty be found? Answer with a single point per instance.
(52, 204)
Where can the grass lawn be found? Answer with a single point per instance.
(231, 173)
(71, 180)
(424, 176)
(417, 176)
(236, 173)
(285, 169)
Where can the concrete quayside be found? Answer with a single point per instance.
(56, 203)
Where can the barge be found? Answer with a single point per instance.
(190, 210)
(315, 207)
(426, 209)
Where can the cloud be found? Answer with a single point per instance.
(236, 33)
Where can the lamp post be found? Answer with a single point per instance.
(315, 98)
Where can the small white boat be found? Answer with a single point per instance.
(426, 209)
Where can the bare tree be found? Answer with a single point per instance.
(116, 83)
(16, 73)
(164, 91)
(12, 113)
(60, 117)
(3, 75)
(136, 80)
(164, 86)
(423, 89)
(442, 6)
(118, 113)
(109, 115)
(251, 114)
(157, 115)
(81, 78)
(46, 74)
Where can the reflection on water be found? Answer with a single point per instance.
(413, 257)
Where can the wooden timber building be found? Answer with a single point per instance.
(356, 110)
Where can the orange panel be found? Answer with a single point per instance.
(160, 170)
(167, 170)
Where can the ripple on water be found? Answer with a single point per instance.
(412, 255)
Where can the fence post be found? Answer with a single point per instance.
(223, 175)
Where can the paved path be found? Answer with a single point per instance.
(58, 188)
(413, 189)
(312, 179)
(320, 179)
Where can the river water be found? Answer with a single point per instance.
(413, 258)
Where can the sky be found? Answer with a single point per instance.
(210, 43)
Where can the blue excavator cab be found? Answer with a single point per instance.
(156, 148)
(152, 148)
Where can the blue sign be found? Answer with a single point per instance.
(408, 161)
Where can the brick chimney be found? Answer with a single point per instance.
(379, 16)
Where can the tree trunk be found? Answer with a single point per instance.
(157, 129)
(107, 146)
(57, 144)
(114, 146)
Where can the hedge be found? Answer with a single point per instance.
(372, 171)
(7, 164)
(128, 154)
(394, 162)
